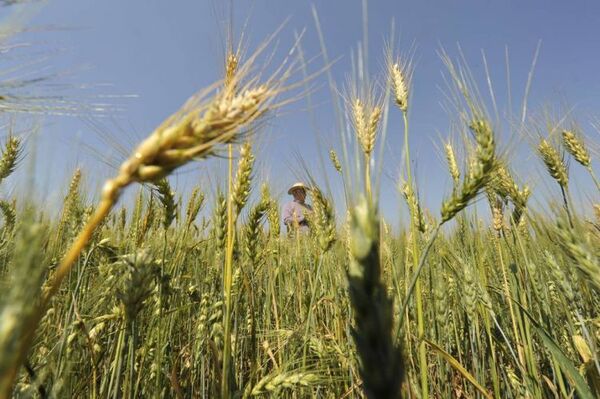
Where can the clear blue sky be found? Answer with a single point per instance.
(163, 51)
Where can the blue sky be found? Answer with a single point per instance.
(162, 52)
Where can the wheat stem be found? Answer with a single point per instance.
(227, 280)
(423, 368)
(566, 203)
(414, 279)
(594, 178)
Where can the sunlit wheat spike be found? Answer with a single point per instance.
(366, 114)
(576, 147)
(167, 198)
(10, 214)
(503, 183)
(373, 124)
(324, 219)
(360, 121)
(231, 66)
(74, 187)
(194, 205)
(72, 207)
(252, 230)
(243, 178)
(520, 202)
(452, 164)
(413, 206)
(10, 156)
(486, 146)
(335, 161)
(274, 220)
(265, 193)
(479, 173)
(554, 163)
(497, 216)
(220, 221)
(505, 186)
(400, 84)
(273, 383)
(272, 211)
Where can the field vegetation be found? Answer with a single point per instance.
(203, 294)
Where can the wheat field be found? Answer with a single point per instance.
(203, 294)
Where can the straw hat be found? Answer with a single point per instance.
(297, 185)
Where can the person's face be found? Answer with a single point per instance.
(299, 194)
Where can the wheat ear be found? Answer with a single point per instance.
(558, 170)
(576, 147)
(381, 367)
(335, 161)
(10, 157)
(324, 219)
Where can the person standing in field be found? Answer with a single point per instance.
(295, 212)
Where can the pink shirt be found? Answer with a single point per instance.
(295, 210)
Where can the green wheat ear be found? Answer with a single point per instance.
(479, 173)
(381, 365)
(194, 205)
(10, 157)
(166, 196)
(576, 147)
(554, 163)
(10, 214)
(324, 219)
(252, 230)
(219, 230)
(243, 178)
(335, 161)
